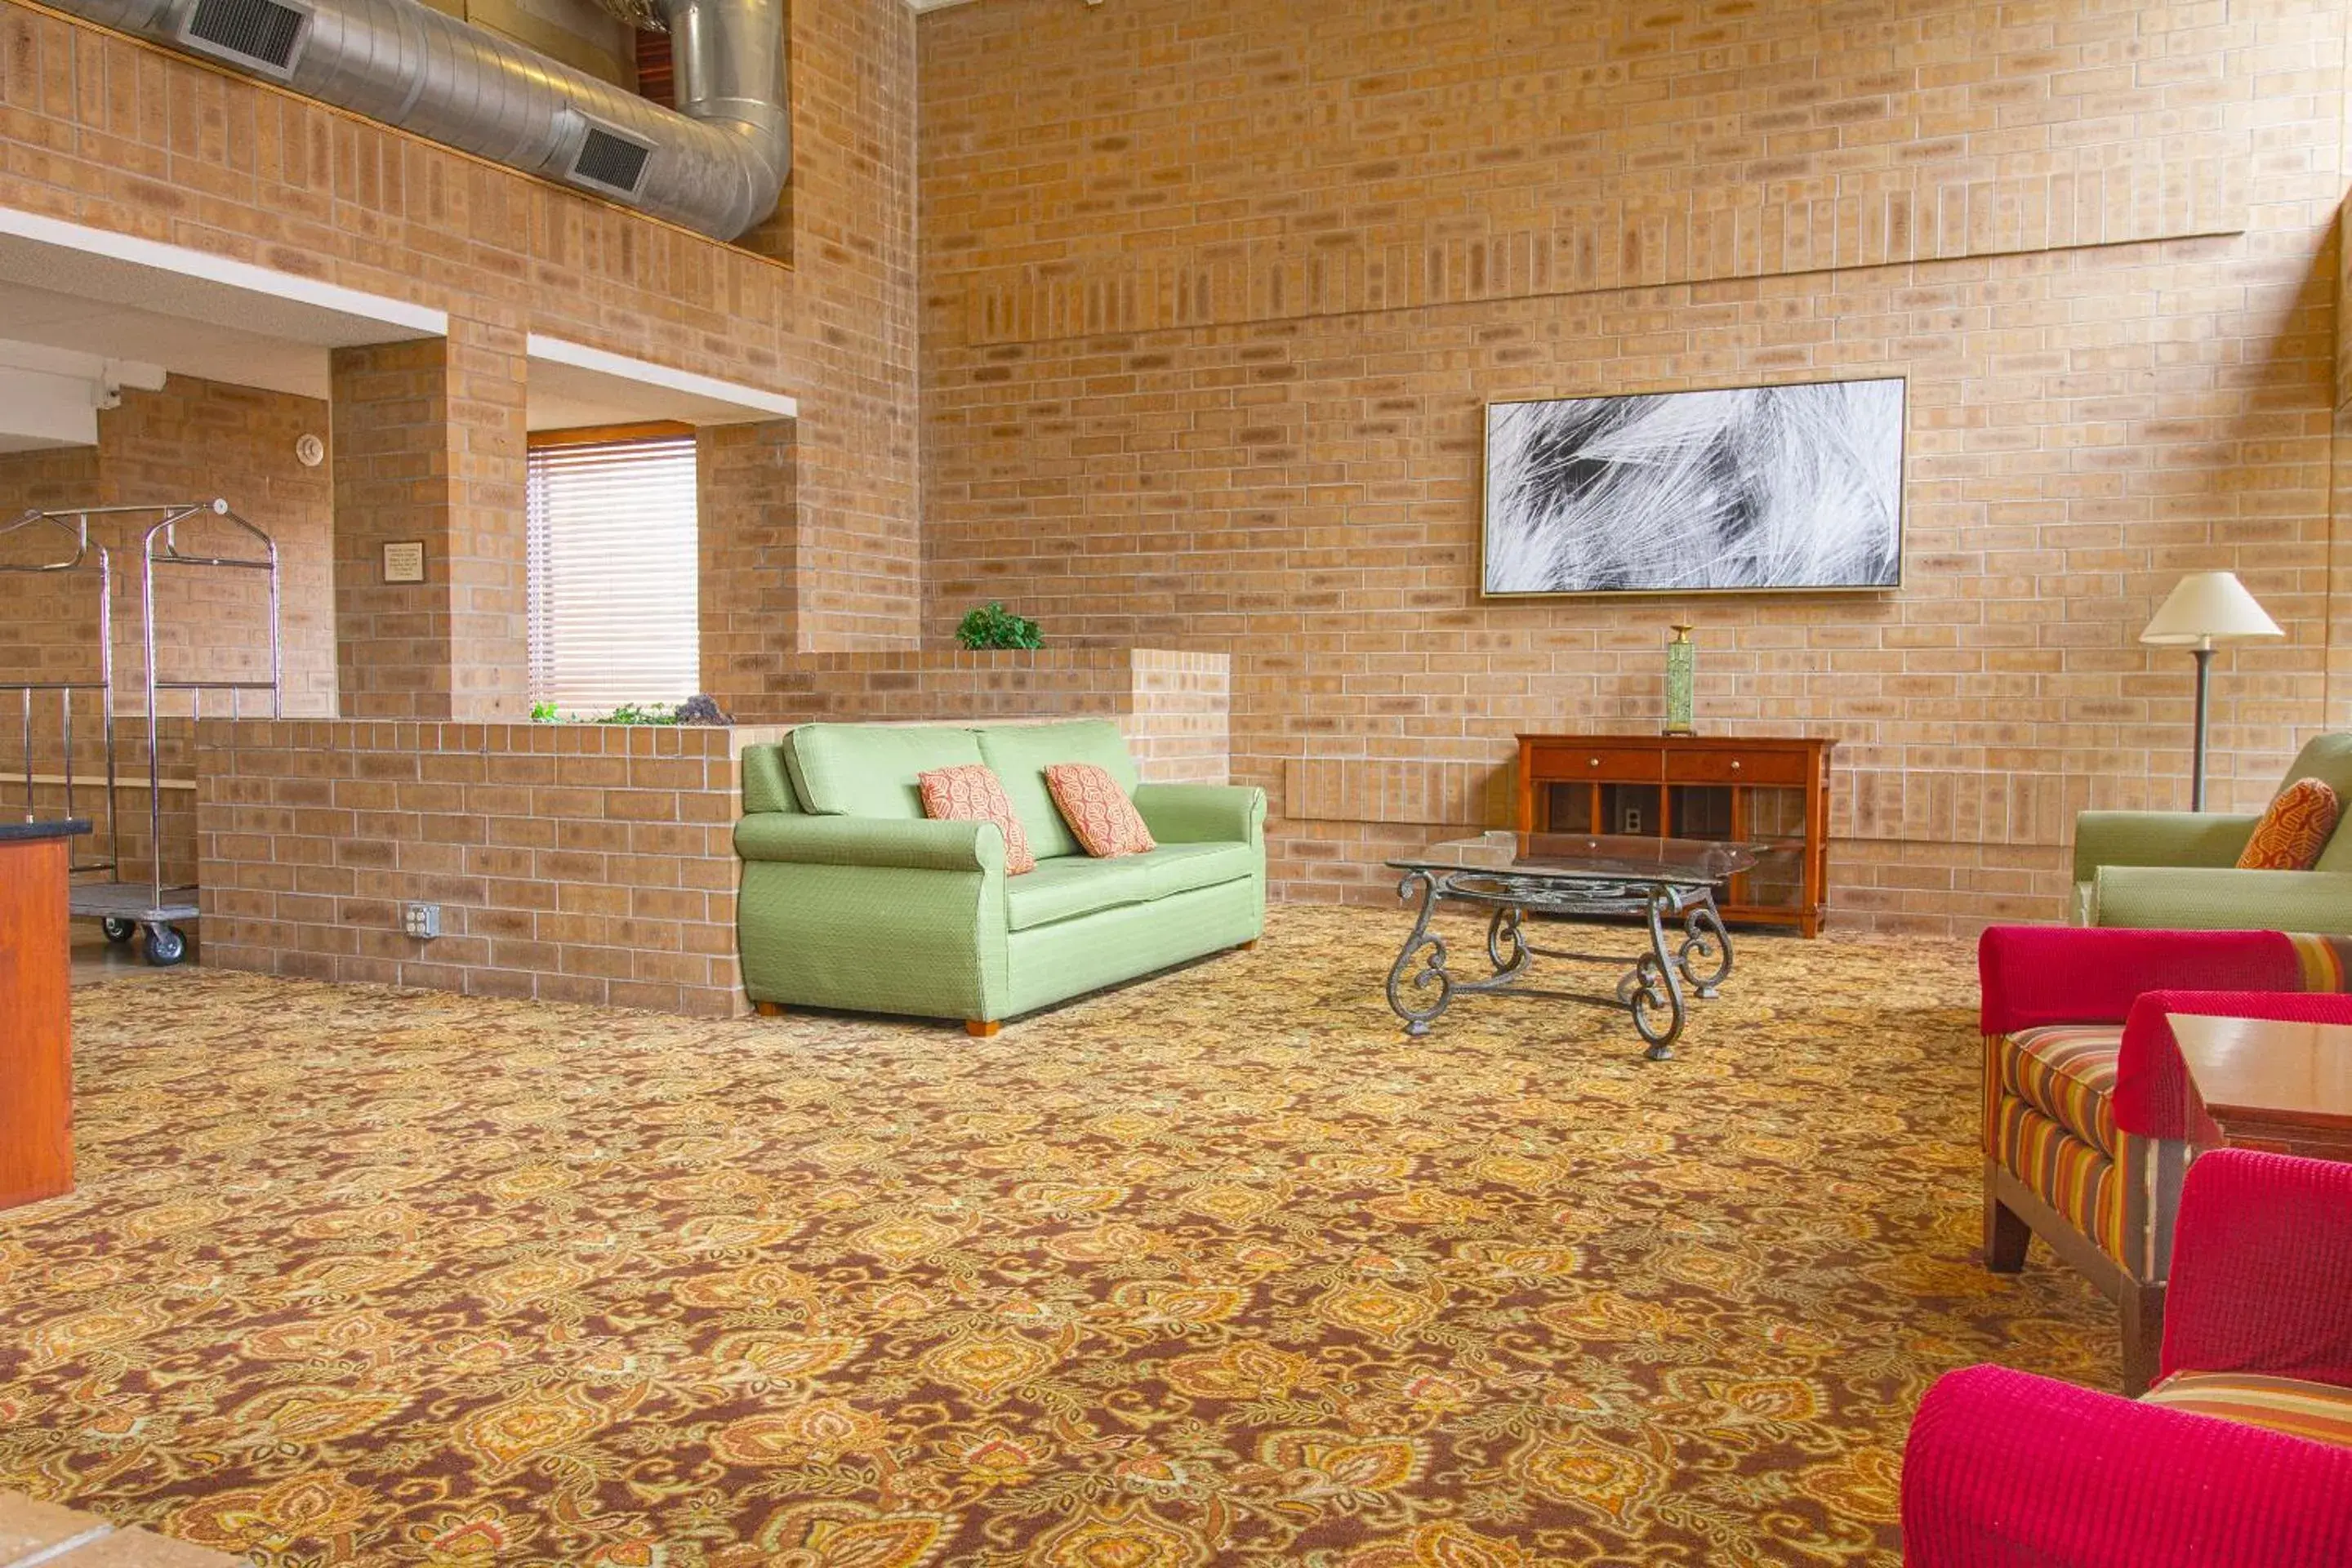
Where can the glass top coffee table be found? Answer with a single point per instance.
(1668, 883)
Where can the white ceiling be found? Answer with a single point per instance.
(117, 298)
(216, 348)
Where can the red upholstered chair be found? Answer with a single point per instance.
(2087, 1114)
(2240, 1458)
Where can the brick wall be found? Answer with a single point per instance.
(430, 447)
(1174, 707)
(191, 441)
(107, 131)
(572, 862)
(1215, 293)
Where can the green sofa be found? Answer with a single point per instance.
(2178, 869)
(853, 898)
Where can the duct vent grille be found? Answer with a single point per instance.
(614, 163)
(257, 33)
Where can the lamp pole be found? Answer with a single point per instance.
(2203, 653)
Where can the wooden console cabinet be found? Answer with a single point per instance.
(1765, 791)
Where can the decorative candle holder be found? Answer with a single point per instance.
(1682, 676)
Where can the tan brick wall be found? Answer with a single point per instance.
(1215, 294)
(1174, 707)
(430, 447)
(102, 131)
(572, 862)
(192, 441)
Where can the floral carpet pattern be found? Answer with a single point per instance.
(1215, 1268)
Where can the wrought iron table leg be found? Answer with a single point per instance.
(1705, 937)
(1659, 985)
(1417, 1013)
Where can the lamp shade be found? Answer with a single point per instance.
(2207, 607)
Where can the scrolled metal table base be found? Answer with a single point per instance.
(1697, 954)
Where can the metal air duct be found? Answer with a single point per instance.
(716, 163)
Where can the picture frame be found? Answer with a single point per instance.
(1785, 488)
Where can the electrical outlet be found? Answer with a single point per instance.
(421, 921)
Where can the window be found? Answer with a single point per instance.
(612, 572)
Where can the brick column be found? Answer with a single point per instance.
(429, 444)
(748, 526)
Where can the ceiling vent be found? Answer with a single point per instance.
(265, 37)
(610, 162)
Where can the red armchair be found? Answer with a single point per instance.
(2089, 1125)
(2242, 1458)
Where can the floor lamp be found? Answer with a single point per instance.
(2206, 608)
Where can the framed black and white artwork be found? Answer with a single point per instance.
(1751, 490)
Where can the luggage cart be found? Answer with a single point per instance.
(76, 558)
(151, 906)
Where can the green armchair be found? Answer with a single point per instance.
(2178, 869)
(851, 899)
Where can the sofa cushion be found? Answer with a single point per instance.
(869, 770)
(2293, 829)
(1101, 815)
(2318, 1411)
(2063, 1171)
(1075, 885)
(2067, 1072)
(974, 793)
(1021, 753)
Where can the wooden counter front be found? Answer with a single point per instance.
(36, 1012)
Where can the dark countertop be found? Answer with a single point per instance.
(56, 827)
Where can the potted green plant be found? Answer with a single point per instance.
(994, 627)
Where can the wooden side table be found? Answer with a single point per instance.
(36, 1012)
(2281, 1087)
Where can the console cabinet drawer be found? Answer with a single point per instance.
(1611, 765)
(1736, 768)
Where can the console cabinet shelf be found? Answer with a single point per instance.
(1748, 789)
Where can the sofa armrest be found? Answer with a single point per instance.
(1203, 814)
(2174, 898)
(2031, 975)
(2261, 1269)
(2007, 1470)
(909, 843)
(2157, 838)
(2152, 1098)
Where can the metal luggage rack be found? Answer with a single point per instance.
(151, 906)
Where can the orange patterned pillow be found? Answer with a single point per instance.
(2294, 830)
(1098, 810)
(972, 792)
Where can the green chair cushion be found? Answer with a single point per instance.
(2328, 758)
(1077, 885)
(868, 770)
(1021, 753)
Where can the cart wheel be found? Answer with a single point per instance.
(117, 929)
(166, 946)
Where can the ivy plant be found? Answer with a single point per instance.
(993, 626)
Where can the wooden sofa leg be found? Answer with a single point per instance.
(2005, 1235)
(1249, 946)
(2143, 1336)
(768, 1009)
(982, 1028)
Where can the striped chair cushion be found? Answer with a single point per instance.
(2067, 1072)
(2318, 1411)
(2068, 1175)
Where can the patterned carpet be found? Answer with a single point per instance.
(1217, 1269)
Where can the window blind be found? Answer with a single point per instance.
(612, 574)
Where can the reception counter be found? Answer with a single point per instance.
(36, 1012)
